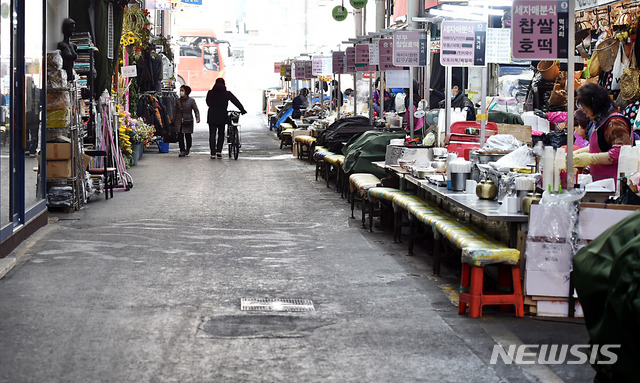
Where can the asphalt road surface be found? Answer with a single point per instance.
(147, 287)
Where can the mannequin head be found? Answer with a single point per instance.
(68, 27)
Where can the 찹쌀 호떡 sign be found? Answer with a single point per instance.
(540, 29)
(463, 43)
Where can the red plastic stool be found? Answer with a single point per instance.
(473, 295)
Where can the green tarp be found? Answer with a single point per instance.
(606, 274)
(362, 150)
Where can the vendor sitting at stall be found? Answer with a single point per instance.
(611, 131)
(300, 102)
(460, 100)
(388, 103)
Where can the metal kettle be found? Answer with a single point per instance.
(529, 200)
(486, 189)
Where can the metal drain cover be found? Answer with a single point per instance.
(276, 304)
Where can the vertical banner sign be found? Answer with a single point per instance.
(327, 63)
(385, 58)
(295, 69)
(309, 69)
(283, 67)
(316, 68)
(406, 48)
(351, 60)
(374, 52)
(540, 29)
(362, 59)
(463, 43)
(499, 45)
(276, 67)
(338, 62)
(287, 71)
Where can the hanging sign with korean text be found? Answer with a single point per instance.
(540, 29)
(385, 55)
(338, 62)
(339, 13)
(287, 71)
(358, 3)
(463, 43)
(316, 68)
(409, 48)
(362, 59)
(351, 60)
(374, 52)
(276, 67)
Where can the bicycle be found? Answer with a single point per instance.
(233, 134)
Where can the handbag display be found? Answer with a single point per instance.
(558, 95)
(620, 64)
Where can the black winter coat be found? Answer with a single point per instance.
(218, 101)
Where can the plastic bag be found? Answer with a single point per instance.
(554, 233)
(501, 143)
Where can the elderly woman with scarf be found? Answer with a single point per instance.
(610, 130)
(218, 100)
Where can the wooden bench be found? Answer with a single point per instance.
(359, 185)
(318, 156)
(477, 251)
(333, 162)
(286, 134)
(305, 145)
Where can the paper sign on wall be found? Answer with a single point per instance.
(397, 79)
(129, 71)
(499, 45)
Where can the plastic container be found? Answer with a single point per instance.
(163, 147)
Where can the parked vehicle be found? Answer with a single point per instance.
(200, 61)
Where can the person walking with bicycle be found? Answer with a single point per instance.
(184, 110)
(218, 100)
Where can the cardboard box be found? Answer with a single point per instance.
(59, 169)
(557, 309)
(551, 257)
(58, 151)
(547, 283)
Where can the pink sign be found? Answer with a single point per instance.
(362, 59)
(351, 60)
(540, 29)
(386, 55)
(276, 67)
(338, 62)
(406, 48)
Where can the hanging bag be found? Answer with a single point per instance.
(620, 64)
(558, 95)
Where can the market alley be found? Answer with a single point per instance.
(147, 287)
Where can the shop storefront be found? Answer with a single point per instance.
(22, 75)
